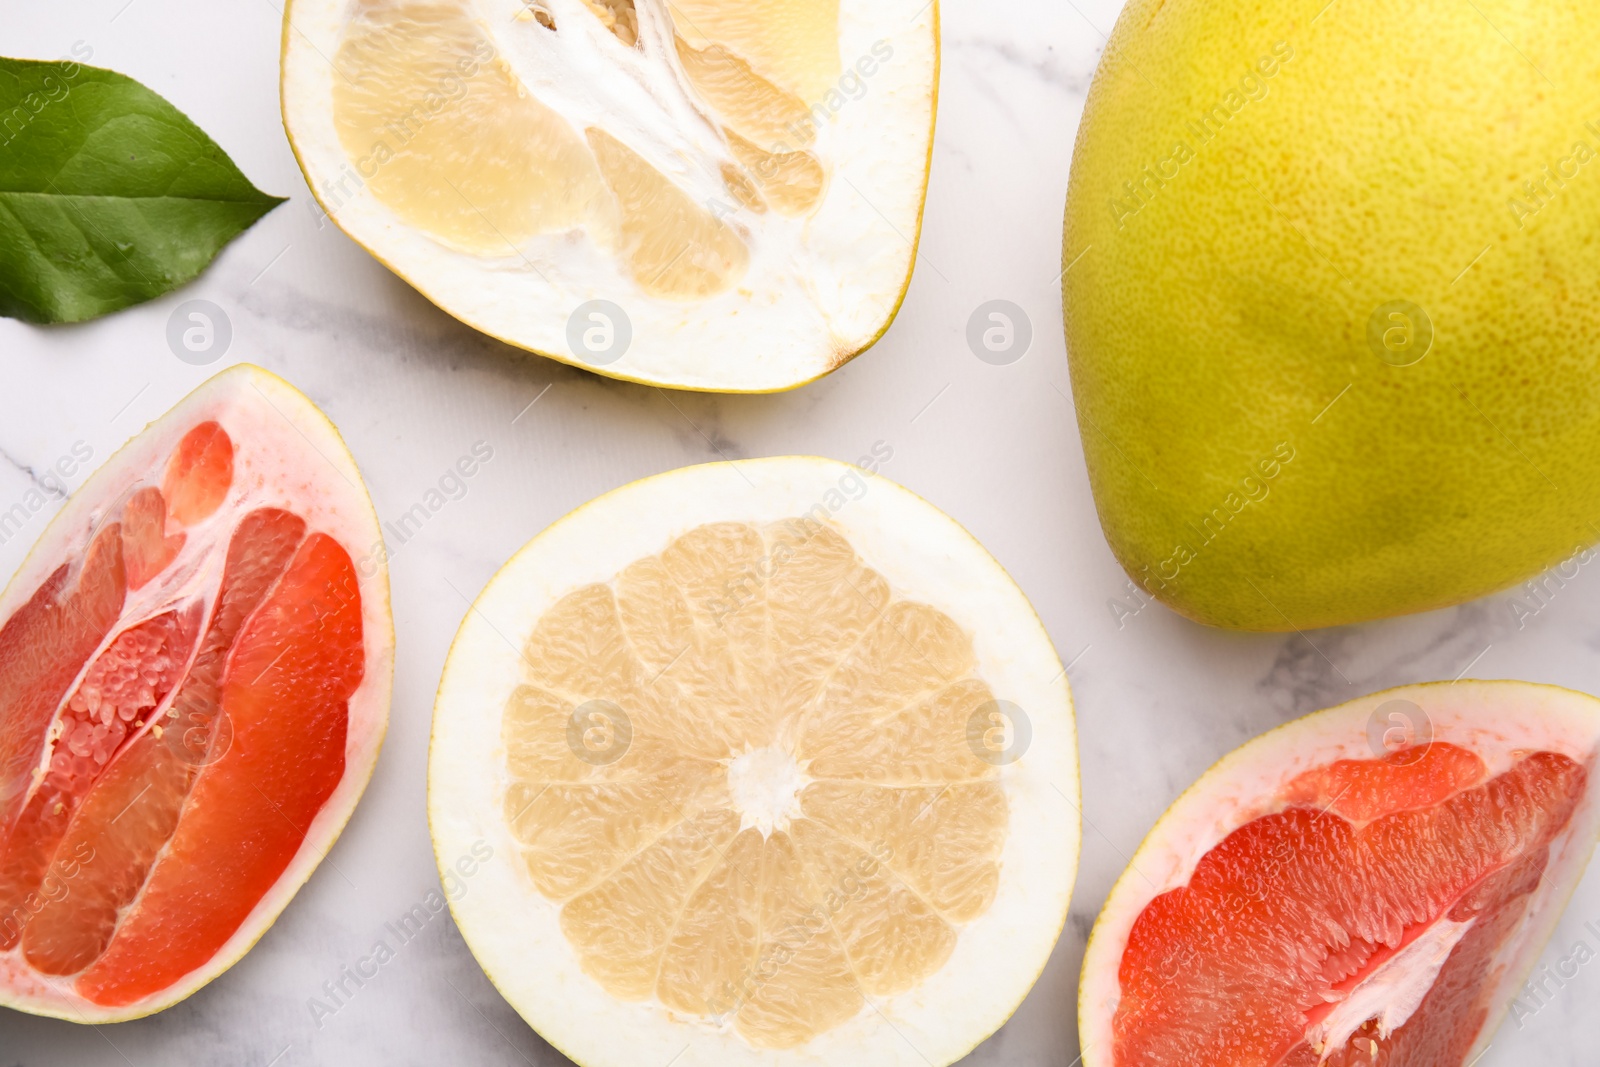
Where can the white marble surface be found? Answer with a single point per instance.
(1158, 697)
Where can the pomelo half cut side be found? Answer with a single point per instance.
(777, 767)
(704, 194)
(1368, 885)
(194, 682)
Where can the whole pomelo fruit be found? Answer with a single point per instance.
(1333, 299)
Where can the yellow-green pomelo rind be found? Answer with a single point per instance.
(1314, 168)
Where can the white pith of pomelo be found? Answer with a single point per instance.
(286, 455)
(1500, 721)
(515, 931)
(549, 86)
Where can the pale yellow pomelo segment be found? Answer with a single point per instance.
(675, 248)
(802, 983)
(820, 599)
(606, 811)
(791, 182)
(794, 44)
(773, 657)
(575, 835)
(579, 647)
(768, 131)
(928, 740)
(717, 934)
(623, 927)
(893, 937)
(443, 133)
(911, 652)
(681, 601)
(745, 101)
(536, 737)
(944, 839)
(743, 188)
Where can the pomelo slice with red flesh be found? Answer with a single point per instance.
(1319, 898)
(195, 668)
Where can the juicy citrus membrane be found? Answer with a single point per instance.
(753, 774)
(194, 682)
(1311, 901)
(755, 168)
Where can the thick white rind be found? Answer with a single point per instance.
(286, 454)
(925, 556)
(819, 290)
(1492, 718)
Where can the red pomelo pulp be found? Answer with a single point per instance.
(1369, 886)
(195, 669)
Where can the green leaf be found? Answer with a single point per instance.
(109, 195)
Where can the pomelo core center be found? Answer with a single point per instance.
(765, 785)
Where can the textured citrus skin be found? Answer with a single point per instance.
(1309, 165)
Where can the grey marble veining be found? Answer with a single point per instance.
(1159, 699)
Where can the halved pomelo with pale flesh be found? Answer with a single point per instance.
(740, 182)
(1369, 886)
(780, 768)
(194, 681)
